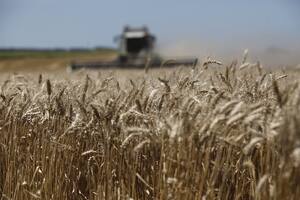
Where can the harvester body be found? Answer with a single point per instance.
(135, 45)
(136, 50)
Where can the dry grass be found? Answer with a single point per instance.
(212, 132)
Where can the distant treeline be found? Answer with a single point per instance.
(13, 53)
(57, 49)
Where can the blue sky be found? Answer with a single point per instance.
(214, 25)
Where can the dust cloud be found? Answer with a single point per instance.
(270, 55)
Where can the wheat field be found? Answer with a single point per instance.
(210, 131)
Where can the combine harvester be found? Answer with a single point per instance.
(136, 47)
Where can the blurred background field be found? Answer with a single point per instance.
(48, 60)
(270, 29)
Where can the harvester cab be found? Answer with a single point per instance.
(135, 45)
